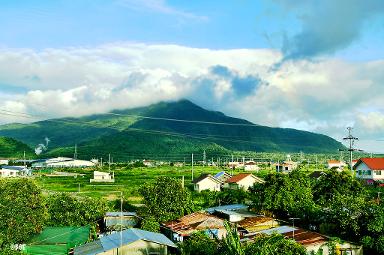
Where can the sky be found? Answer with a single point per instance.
(304, 64)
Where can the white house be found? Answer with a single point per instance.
(206, 182)
(335, 164)
(251, 166)
(370, 169)
(14, 171)
(243, 181)
(102, 177)
(286, 167)
(4, 161)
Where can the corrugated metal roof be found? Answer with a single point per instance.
(233, 207)
(278, 230)
(118, 214)
(125, 237)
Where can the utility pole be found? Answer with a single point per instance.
(75, 154)
(24, 159)
(232, 158)
(204, 158)
(351, 148)
(192, 166)
(109, 162)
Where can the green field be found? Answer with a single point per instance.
(126, 180)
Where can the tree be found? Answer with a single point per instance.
(22, 210)
(333, 183)
(274, 245)
(150, 224)
(285, 195)
(232, 196)
(68, 210)
(166, 199)
(199, 244)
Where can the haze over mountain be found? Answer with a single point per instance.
(166, 128)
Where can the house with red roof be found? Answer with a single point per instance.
(370, 169)
(243, 181)
(336, 164)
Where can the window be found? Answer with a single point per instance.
(369, 172)
(378, 172)
(360, 172)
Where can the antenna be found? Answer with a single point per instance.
(192, 166)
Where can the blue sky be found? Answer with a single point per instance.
(303, 64)
(221, 24)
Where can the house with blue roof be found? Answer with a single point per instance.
(131, 241)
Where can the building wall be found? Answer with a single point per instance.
(139, 247)
(364, 172)
(246, 182)
(207, 184)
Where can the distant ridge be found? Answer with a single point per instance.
(166, 128)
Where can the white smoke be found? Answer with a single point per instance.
(40, 148)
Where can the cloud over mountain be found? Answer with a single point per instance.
(325, 95)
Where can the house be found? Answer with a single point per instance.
(199, 221)
(222, 176)
(313, 242)
(336, 164)
(235, 164)
(243, 181)
(251, 166)
(206, 182)
(4, 161)
(131, 241)
(102, 177)
(115, 221)
(286, 167)
(149, 163)
(370, 169)
(14, 171)
(62, 162)
(57, 240)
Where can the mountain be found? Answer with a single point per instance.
(166, 128)
(11, 148)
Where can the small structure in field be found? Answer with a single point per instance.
(102, 177)
(339, 165)
(115, 221)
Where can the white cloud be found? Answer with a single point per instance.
(325, 96)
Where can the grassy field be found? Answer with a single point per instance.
(126, 180)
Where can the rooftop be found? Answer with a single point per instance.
(372, 163)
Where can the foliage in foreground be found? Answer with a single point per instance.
(22, 210)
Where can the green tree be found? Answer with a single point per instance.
(165, 199)
(333, 183)
(68, 210)
(285, 195)
(274, 245)
(150, 224)
(198, 244)
(22, 210)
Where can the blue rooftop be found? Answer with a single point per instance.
(128, 236)
(278, 230)
(219, 174)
